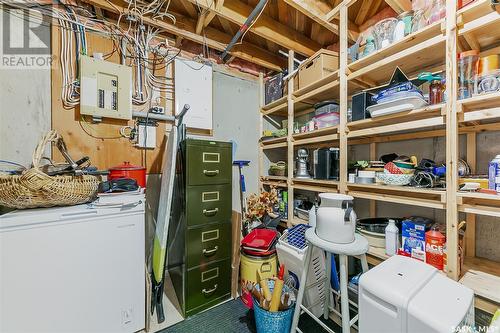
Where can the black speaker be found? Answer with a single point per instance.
(359, 104)
(274, 88)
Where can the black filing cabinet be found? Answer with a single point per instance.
(199, 241)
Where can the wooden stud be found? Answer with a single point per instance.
(261, 123)
(399, 6)
(290, 159)
(452, 155)
(343, 97)
(373, 157)
(362, 12)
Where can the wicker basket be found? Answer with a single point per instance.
(278, 169)
(33, 188)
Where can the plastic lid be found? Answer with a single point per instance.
(127, 166)
(468, 54)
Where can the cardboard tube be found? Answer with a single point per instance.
(264, 287)
(276, 297)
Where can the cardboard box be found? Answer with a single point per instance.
(321, 64)
(413, 239)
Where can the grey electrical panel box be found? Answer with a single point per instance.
(105, 89)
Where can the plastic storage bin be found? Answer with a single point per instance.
(326, 120)
(291, 250)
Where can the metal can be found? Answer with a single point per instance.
(494, 174)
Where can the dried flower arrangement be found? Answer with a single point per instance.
(260, 205)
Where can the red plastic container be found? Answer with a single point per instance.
(435, 245)
(127, 170)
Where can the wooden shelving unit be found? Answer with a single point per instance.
(434, 49)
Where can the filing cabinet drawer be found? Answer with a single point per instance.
(208, 243)
(208, 162)
(207, 204)
(207, 283)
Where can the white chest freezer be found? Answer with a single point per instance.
(406, 295)
(73, 269)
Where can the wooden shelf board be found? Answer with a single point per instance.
(412, 39)
(274, 104)
(279, 178)
(274, 183)
(413, 60)
(495, 198)
(482, 276)
(480, 23)
(405, 195)
(396, 118)
(403, 127)
(282, 144)
(324, 135)
(316, 133)
(316, 181)
(273, 141)
(318, 86)
(315, 185)
(296, 220)
(480, 102)
(480, 209)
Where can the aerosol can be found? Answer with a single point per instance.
(494, 174)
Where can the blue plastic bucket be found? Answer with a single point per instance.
(273, 322)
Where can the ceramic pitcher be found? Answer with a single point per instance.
(335, 218)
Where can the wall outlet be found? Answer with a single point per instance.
(127, 316)
(157, 110)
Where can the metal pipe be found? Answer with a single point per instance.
(243, 28)
(139, 114)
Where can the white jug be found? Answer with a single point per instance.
(335, 218)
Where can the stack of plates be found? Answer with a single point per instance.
(404, 103)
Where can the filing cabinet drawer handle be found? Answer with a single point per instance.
(209, 291)
(210, 252)
(211, 173)
(210, 212)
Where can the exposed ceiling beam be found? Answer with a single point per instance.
(266, 27)
(212, 14)
(189, 7)
(213, 38)
(399, 6)
(318, 11)
(200, 23)
(362, 12)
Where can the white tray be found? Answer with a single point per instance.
(396, 106)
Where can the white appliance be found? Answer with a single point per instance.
(406, 295)
(73, 269)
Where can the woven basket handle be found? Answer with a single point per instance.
(50, 137)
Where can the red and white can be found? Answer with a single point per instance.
(435, 248)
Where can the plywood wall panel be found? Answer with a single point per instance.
(103, 146)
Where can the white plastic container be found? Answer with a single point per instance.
(405, 295)
(312, 217)
(391, 238)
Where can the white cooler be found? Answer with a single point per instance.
(406, 295)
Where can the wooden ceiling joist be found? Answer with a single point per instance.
(399, 6)
(266, 27)
(316, 10)
(213, 38)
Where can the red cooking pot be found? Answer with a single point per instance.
(127, 170)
